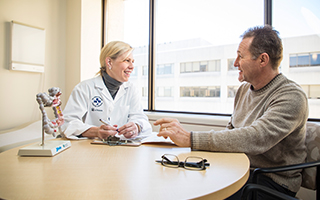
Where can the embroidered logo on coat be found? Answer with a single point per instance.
(97, 101)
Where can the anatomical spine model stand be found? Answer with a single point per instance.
(48, 148)
(51, 100)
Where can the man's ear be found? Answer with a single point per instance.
(264, 59)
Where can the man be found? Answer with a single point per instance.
(270, 113)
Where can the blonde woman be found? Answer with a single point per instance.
(108, 96)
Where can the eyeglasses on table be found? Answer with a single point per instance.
(190, 163)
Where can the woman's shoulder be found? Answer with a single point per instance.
(90, 81)
(128, 84)
(130, 87)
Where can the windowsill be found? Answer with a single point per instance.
(196, 119)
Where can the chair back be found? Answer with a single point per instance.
(313, 154)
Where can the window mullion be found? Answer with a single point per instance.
(151, 56)
(268, 12)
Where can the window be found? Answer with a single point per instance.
(193, 57)
(204, 91)
(145, 70)
(231, 67)
(144, 91)
(305, 60)
(128, 21)
(315, 59)
(134, 73)
(200, 46)
(200, 66)
(232, 90)
(312, 91)
(298, 23)
(164, 91)
(164, 69)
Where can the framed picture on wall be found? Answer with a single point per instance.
(27, 47)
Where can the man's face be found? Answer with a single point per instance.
(248, 68)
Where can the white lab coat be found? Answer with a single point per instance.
(91, 100)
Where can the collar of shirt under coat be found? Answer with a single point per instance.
(99, 84)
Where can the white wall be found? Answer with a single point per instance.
(73, 43)
(83, 33)
(18, 89)
(114, 20)
(73, 46)
(90, 37)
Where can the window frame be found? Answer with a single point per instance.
(152, 53)
(152, 70)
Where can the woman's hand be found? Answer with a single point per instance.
(129, 130)
(105, 131)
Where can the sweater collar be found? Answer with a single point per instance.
(270, 84)
(112, 84)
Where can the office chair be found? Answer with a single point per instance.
(310, 177)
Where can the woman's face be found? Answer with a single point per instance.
(121, 67)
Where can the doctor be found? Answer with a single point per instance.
(108, 96)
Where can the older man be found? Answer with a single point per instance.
(270, 113)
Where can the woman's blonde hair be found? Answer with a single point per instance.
(113, 50)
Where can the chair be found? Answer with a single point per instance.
(310, 177)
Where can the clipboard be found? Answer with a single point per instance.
(132, 144)
(139, 140)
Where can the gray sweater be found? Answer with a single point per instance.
(268, 125)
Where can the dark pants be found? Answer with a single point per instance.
(265, 181)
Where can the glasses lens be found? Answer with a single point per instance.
(194, 163)
(170, 160)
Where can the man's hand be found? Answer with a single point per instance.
(172, 128)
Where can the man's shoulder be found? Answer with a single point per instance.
(244, 86)
(290, 85)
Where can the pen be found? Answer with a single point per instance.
(105, 122)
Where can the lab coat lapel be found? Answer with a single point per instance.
(122, 91)
(99, 84)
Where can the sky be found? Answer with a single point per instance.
(302, 17)
(219, 22)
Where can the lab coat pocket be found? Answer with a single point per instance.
(120, 115)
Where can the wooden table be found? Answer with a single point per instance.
(87, 171)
